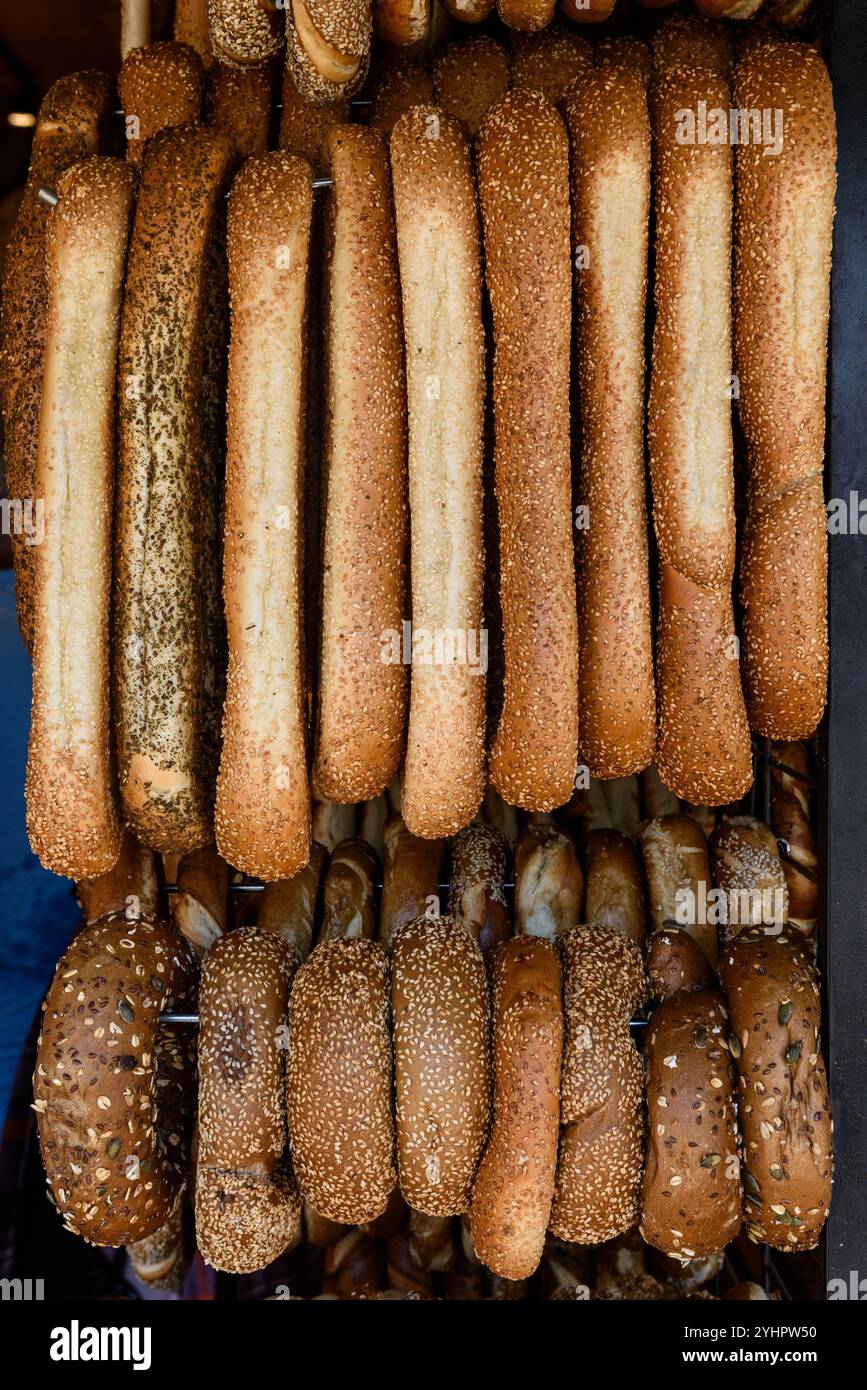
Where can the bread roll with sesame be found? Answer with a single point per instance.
(348, 895)
(397, 87)
(401, 22)
(549, 62)
(244, 31)
(606, 115)
(247, 1205)
(159, 86)
(514, 1186)
(411, 869)
(304, 126)
(439, 1000)
(476, 898)
(747, 867)
(115, 1168)
(784, 222)
(328, 46)
(239, 102)
(688, 40)
(773, 996)
(164, 743)
(263, 803)
(200, 907)
(791, 816)
(692, 1191)
(361, 696)
(527, 15)
(601, 1150)
(703, 751)
(614, 894)
(339, 1081)
(289, 906)
(69, 127)
(470, 75)
(625, 51)
(549, 884)
(523, 172)
(73, 815)
(438, 244)
(677, 867)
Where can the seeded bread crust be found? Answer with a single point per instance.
(746, 860)
(470, 75)
(159, 86)
(244, 31)
(328, 47)
(411, 869)
(549, 61)
(479, 855)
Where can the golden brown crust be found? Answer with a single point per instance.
(441, 280)
(239, 102)
(244, 31)
(549, 62)
(614, 895)
(606, 115)
(479, 854)
(263, 803)
(439, 999)
(401, 22)
(68, 128)
(247, 1205)
(690, 41)
(200, 907)
(161, 1261)
(676, 962)
(747, 867)
(159, 86)
(304, 125)
(692, 1191)
(339, 1081)
(785, 212)
(523, 170)
(289, 906)
(361, 697)
(514, 1186)
(73, 816)
(158, 639)
(549, 884)
(791, 817)
(398, 87)
(587, 11)
(469, 11)
(602, 1087)
(411, 870)
(115, 1172)
(328, 46)
(191, 27)
(348, 895)
(785, 1119)
(470, 75)
(677, 866)
(527, 15)
(131, 885)
(625, 51)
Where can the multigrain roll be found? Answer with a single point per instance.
(396, 88)
(401, 22)
(361, 697)
(339, 1081)
(477, 902)
(523, 172)
(703, 751)
(304, 126)
(114, 1170)
(549, 884)
(773, 996)
(239, 102)
(514, 1186)
(263, 802)
(69, 127)
(549, 62)
(614, 888)
(748, 869)
(247, 1204)
(791, 817)
(244, 31)
(527, 15)
(470, 75)
(677, 866)
(443, 778)
(328, 46)
(411, 869)
(439, 999)
(687, 40)
(606, 115)
(159, 86)
(165, 760)
(692, 1191)
(601, 1150)
(73, 815)
(784, 221)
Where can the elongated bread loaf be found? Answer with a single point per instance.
(239, 102)
(159, 86)
(469, 77)
(361, 696)
(165, 773)
(68, 128)
(73, 816)
(606, 115)
(523, 171)
(441, 281)
(396, 87)
(548, 62)
(263, 803)
(244, 31)
(703, 749)
(785, 214)
(328, 46)
(401, 21)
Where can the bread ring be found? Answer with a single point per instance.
(159, 86)
(239, 102)
(549, 61)
(328, 46)
(401, 21)
(527, 15)
(397, 87)
(469, 77)
(244, 31)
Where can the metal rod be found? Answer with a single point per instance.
(48, 196)
(194, 1018)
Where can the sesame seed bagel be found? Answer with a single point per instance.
(479, 855)
(523, 172)
(245, 31)
(783, 229)
(469, 77)
(69, 127)
(609, 132)
(247, 1203)
(263, 802)
(550, 61)
(73, 813)
(339, 1081)
(692, 1192)
(361, 698)
(114, 1169)
(164, 751)
(625, 51)
(676, 863)
(159, 86)
(239, 102)
(397, 87)
(528, 15)
(773, 994)
(688, 40)
(328, 46)
(512, 1193)
(439, 998)
(401, 21)
(439, 251)
(746, 862)
(601, 1089)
